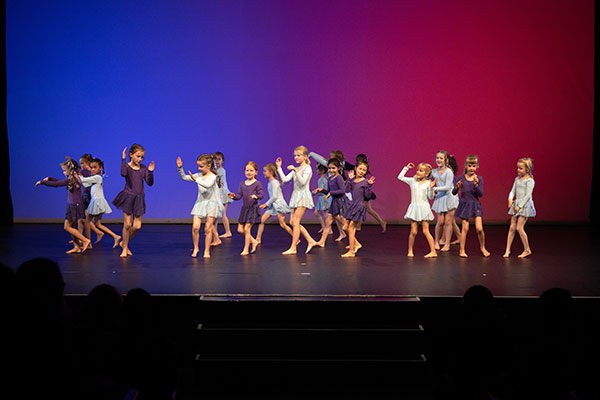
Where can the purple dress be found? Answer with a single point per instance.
(75, 210)
(469, 205)
(131, 199)
(361, 191)
(87, 191)
(337, 188)
(250, 211)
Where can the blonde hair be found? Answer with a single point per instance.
(427, 169)
(72, 172)
(208, 160)
(528, 162)
(471, 159)
(304, 151)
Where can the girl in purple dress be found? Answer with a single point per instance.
(336, 190)
(250, 191)
(471, 187)
(357, 210)
(131, 200)
(373, 213)
(75, 213)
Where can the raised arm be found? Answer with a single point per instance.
(53, 182)
(124, 169)
(318, 158)
(207, 182)
(284, 177)
(368, 191)
(402, 177)
(149, 177)
(88, 181)
(529, 184)
(184, 176)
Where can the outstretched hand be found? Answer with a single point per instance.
(371, 180)
(410, 165)
(351, 174)
(179, 162)
(459, 184)
(191, 175)
(278, 162)
(125, 152)
(262, 206)
(151, 166)
(230, 195)
(292, 168)
(317, 190)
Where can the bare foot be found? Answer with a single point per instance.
(129, 253)
(254, 244)
(524, 254)
(215, 244)
(206, 255)
(124, 254)
(225, 235)
(195, 253)
(506, 255)
(445, 248)
(383, 227)
(258, 242)
(330, 232)
(244, 253)
(358, 246)
(320, 230)
(463, 254)
(430, 255)
(74, 250)
(410, 254)
(310, 246)
(485, 252)
(86, 244)
(456, 242)
(98, 238)
(289, 251)
(436, 246)
(117, 240)
(321, 243)
(349, 254)
(340, 238)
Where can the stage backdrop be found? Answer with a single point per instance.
(396, 80)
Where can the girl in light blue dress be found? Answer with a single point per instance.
(445, 202)
(276, 204)
(323, 202)
(98, 205)
(208, 205)
(301, 197)
(219, 159)
(520, 204)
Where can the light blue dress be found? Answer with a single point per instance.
(444, 199)
(420, 194)
(222, 175)
(301, 196)
(208, 203)
(522, 192)
(322, 202)
(98, 204)
(276, 203)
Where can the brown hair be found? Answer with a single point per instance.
(207, 159)
(338, 164)
(218, 153)
(135, 148)
(72, 169)
(471, 159)
(272, 168)
(446, 156)
(339, 155)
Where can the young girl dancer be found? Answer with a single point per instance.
(336, 192)
(85, 162)
(98, 204)
(421, 191)
(471, 187)
(75, 212)
(322, 202)
(208, 204)
(219, 159)
(276, 204)
(301, 198)
(250, 191)
(131, 199)
(522, 207)
(445, 202)
(373, 213)
(357, 210)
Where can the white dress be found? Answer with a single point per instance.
(276, 203)
(301, 196)
(208, 203)
(420, 194)
(522, 192)
(222, 175)
(98, 204)
(444, 199)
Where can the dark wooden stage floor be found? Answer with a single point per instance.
(563, 256)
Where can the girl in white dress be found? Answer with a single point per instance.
(421, 191)
(301, 197)
(98, 204)
(521, 208)
(208, 205)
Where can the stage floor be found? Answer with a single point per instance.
(563, 256)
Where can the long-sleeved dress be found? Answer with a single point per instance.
(98, 204)
(131, 199)
(420, 194)
(336, 187)
(276, 203)
(208, 203)
(444, 199)
(74, 210)
(522, 192)
(222, 176)
(469, 205)
(250, 211)
(322, 202)
(86, 193)
(361, 192)
(301, 196)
